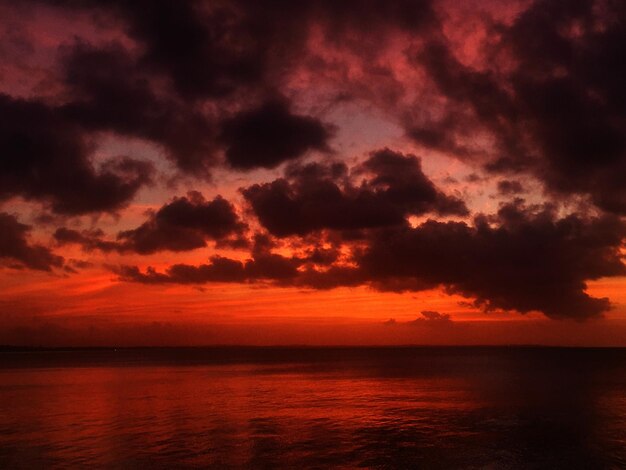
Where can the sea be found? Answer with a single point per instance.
(308, 407)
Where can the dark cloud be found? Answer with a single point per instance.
(431, 317)
(523, 260)
(322, 256)
(331, 277)
(46, 158)
(473, 101)
(79, 264)
(270, 135)
(401, 179)
(263, 267)
(576, 110)
(111, 92)
(548, 93)
(214, 50)
(184, 224)
(508, 187)
(557, 108)
(316, 197)
(219, 270)
(231, 51)
(16, 251)
(206, 50)
(89, 240)
(193, 61)
(187, 55)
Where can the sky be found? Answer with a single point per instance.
(320, 172)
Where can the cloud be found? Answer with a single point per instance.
(522, 259)
(88, 239)
(428, 318)
(431, 317)
(401, 179)
(46, 158)
(508, 187)
(315, 197)
(16, 251)
(547, 96)
(110, 91)
(263, 267)
(542, 96)
(218, 270)
(175, 71)
(184, 224)
(206, 51)
(218, 50)
(269, 135)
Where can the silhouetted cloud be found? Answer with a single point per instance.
(545, 91)
(316, 197)
(556, 112)
(111, 92)
(183, 224)
(266, 267)
(508, 187)
(428, 318)
(431, 317)
(270, 135)
(207, 52)
(523, 259)
(16, 251)
(217, 50)
(219, 270)
(89, 240)
(520, 261)
(46, 158)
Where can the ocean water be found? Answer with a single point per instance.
(314, 408)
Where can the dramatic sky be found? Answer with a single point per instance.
(319, 172)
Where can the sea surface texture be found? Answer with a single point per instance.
(314, 408)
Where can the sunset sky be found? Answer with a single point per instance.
(312, 172)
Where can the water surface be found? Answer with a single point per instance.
(314, 408)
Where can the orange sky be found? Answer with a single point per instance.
(97, 309)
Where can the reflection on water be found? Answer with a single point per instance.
(286, 408)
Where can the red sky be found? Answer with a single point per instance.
(379, 172)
